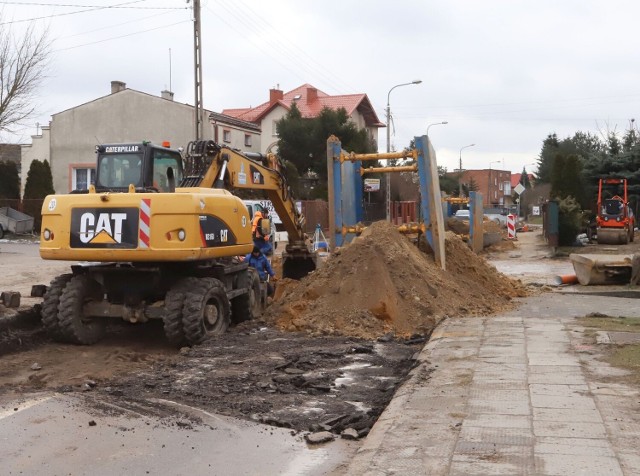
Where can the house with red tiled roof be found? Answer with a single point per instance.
(310, 101)
(515, 179)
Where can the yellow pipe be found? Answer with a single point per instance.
(400, 168)
(406, 228)
(405, 154)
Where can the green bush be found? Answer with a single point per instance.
(569, 221)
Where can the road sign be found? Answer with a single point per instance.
(371, 185)
(518, 189)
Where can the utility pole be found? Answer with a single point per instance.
(197, 63)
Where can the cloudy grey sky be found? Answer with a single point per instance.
(503, 73)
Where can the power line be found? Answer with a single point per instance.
(123, 36)
(88, 9)
(92, 6)
(272, 37)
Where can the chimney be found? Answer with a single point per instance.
(312, 95)
(117, 86)
(166, 95)
(275, 95)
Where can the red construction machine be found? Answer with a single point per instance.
(615, 221)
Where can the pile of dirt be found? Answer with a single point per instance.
(381, 284)
(461, 227)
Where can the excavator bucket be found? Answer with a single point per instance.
(602, 269)
(297, 264)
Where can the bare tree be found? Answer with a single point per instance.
(23, 63)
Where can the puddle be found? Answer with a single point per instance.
(542, 272)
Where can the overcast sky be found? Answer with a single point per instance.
(503, 73)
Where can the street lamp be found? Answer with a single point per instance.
(489, 197)
(435, 124)
(388, 178)
(460, 177)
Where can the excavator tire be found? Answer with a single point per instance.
(173, 304)
(247, 306)
(206, 310)
(75, 327)
(51, 303)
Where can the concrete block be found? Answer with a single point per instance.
(569, 429)
(38, 290)
(10, 298)
(573, 446)
(561, 465)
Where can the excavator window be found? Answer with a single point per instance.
(162, 162)
(119, 170)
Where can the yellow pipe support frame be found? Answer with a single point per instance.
(402, 168)
(455, 200)
(405, 154)
(406, 228)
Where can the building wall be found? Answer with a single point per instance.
(267, 125)
(125, 116)
(237, 137)
(37, 150)
(494, 184)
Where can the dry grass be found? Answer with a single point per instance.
(620, 324)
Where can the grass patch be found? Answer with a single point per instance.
(627, 357)
(620, 324)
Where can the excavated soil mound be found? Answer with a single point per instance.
(381, 283)
(461, 227)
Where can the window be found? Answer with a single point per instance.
(507, 188)
(226, 135)
(162, 162)
(247, 140)
(500, 185)
(119, 170)
(274, 130)
(82, 178)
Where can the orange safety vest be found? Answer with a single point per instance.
(254, 224)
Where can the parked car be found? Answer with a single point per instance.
(461, 215)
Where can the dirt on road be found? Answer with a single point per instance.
(328, 355)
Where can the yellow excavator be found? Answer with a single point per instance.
(159, 235)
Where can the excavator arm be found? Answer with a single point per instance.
(210, 165)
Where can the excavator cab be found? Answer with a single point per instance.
(146, 166)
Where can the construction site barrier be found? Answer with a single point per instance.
(511, 227)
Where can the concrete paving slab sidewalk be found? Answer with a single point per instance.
(512, 394)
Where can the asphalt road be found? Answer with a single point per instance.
(52, 433)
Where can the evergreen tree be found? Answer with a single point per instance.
(303, 141)
(9, 181)
(39, 182)
(524, 178)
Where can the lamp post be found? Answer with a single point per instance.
(435, 124)
(388, 178)
(460, 178)
(489, 197)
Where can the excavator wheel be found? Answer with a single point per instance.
(173, 304)
(248, 306)
(206, 310)
(50, 304)
(75, 327)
